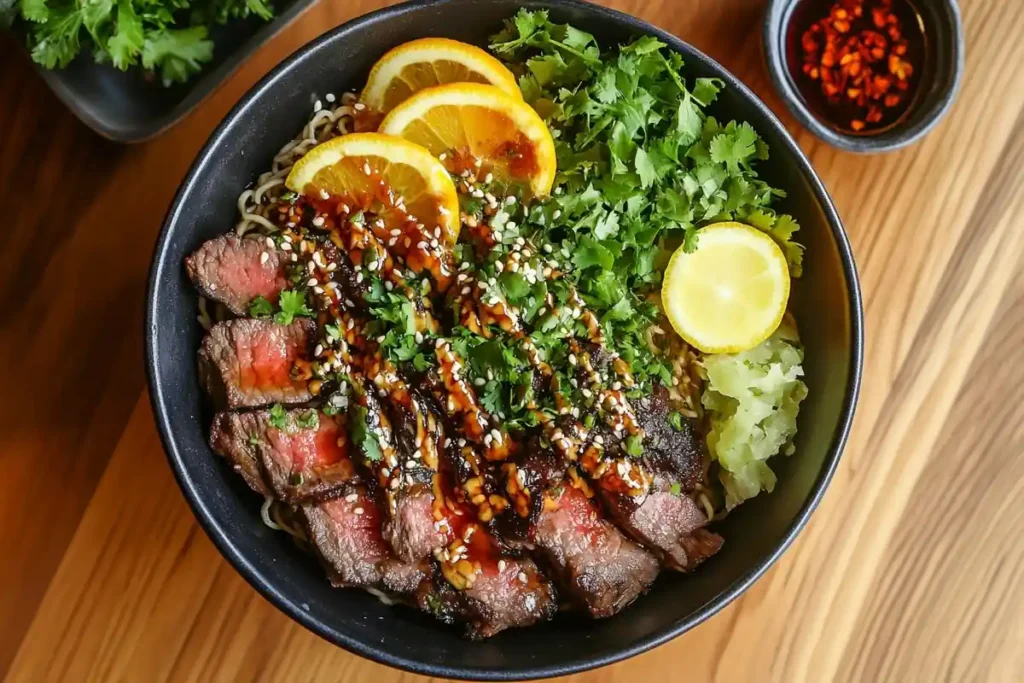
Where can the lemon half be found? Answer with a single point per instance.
(730, 294)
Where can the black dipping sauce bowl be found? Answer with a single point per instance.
(826, 302)
(937, 77)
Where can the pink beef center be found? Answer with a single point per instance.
(266, 362)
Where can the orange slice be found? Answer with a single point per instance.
(418, 64)
(406, 197)
(479, 125)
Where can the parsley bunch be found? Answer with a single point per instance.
(641, 168)
(169, 37)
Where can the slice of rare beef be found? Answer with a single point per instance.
(401, 468)
(247, 363)
(298, 455)
(597, 566)
(665, 519)
(346, 533)
(234, 271)
(508, 593)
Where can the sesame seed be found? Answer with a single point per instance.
(329, 97)
(421, 246)
(522, 577)
(366, 168)
(358, 511)
(407, 242)
(318, 105)
(418, 337)
(348, 302)
(556, 215)
(312, 282)
(442, 156)
(285, 246)
(558, 190)
(496, 434)
(318, 221)
(264, 257)
(359, 106)
(324, 194)
(572, 359)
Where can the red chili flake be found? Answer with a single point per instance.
(859, 56)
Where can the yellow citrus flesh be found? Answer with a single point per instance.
(367, 170)
(468, 122)
(418, 64)
(730, 294)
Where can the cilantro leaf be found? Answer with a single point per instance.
(363, 436)
(292, 303)
(177, 53)
(278, 417)
(644, 167)
(592, 253)
(260, 307)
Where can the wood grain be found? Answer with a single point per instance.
(911, 570)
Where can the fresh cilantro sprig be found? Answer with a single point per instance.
(168, 37)
(362, 435)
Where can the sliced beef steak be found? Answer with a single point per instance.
(511, 594)
(665, 520)
(234, 271)
(248, 363)
(296, 457)
(346, 534)
(602, 570)
(402, 470)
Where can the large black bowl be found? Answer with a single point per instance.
(826, 301)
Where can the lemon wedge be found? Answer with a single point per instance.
(730, 294)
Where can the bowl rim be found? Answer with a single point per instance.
(776, 18)
(237, 558)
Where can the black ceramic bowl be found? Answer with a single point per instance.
(938, 80)
(826, 301)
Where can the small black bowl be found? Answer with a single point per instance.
(938, 81)
(826, 302)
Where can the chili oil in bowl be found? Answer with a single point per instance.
(865, 76)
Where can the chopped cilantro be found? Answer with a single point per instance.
(363, 436)
(675, 420)
(675, 489)
(254, 440)
(278, 417)
(634, 446)
(293, 303)
(260, 307)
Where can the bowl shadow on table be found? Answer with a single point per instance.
(754, 534)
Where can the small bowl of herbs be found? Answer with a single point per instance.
(130, 69)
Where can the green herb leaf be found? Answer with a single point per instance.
(278, 417)
(260, 307)
(292, 303)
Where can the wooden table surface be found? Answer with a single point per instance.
(912, 569)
